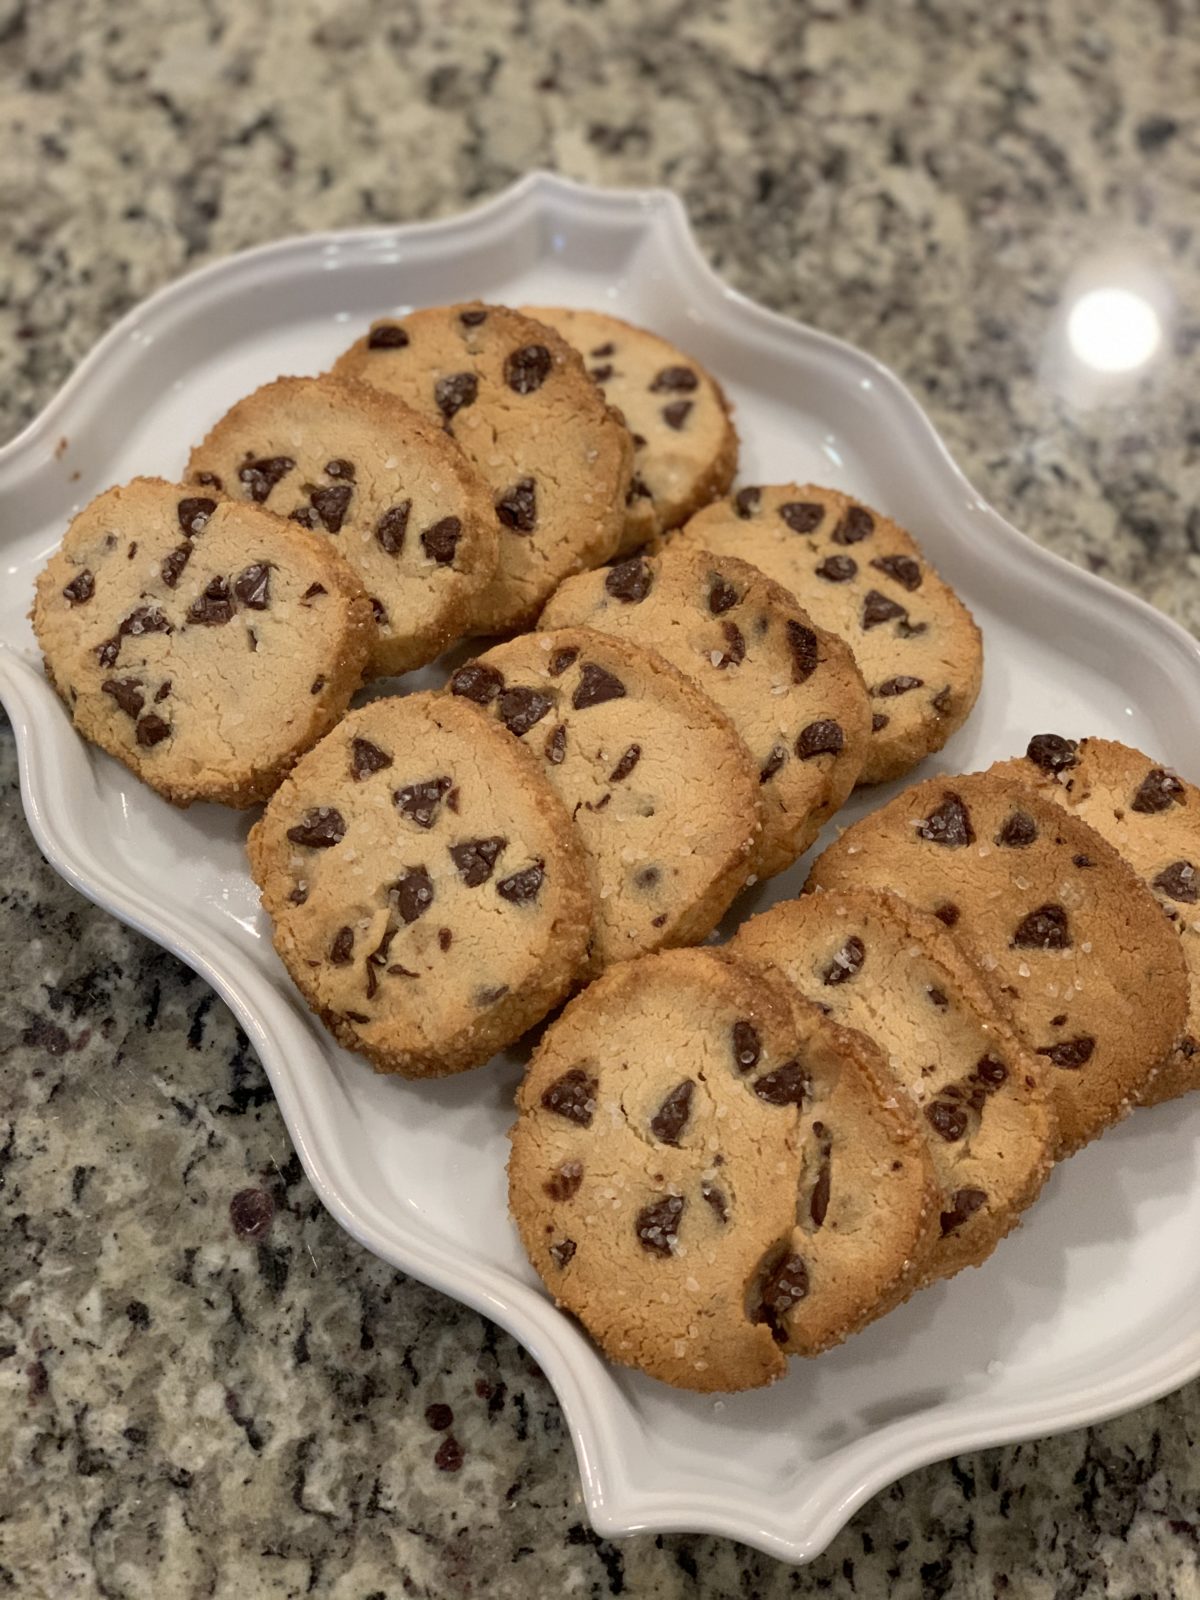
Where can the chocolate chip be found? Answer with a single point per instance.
(341, 951)
(595, 687)
(1057, 1022)
(629, 581)
(319, 828)
(392, 526)
(721, 594)
(313, 590)
(903, 569)
(818, 1201)
(1017, 831)
(366, 758)
(657, 1225)
(194, 512)
(81, 588)
(107, 651)
(947, 913)
(647, 877)
(379, 612)
(473, 317)
(1178, 882)
(608, 348)
(253, 586)
(163, 690)
(523, 886)
(331, 505)
(903, 684)
(747, 501)
(747, 1045)
(735, 646)
(562, 1252)
(824, 738)
(528, 368)
(1070, 1052)
(441, 540)
(127, 692)
(387, 336)
(173, 563)
(1051, 752)
(1158, 791)
(315, 686)
(476, 681)
(879, 721)
(626, 764)
(298, 896)
(213, 608)
(937, 997)
(941, 700)
(209, 480)
(151, 730)
(847, 963)
(476, 859)
(555, 747)
(857, 524)
(948, 1120)
(132, 551)
(517, 507)
(563, 1183)
(572, 1096)
(715, 1198)
(521, 708)
(676, 414)
(420, 802)
(785, 1086)
(773, 763)
(561, 660)
(455, 391)
(601, 374)
(964, 1203)
(804, 516)
(260, 477)
(877, 608)
(146, 619)
(339, 468)
(638, 489)
(990, 1072)
(669, 1121)
(490, 995)
(412, 893)
(1046, 928)
(949, 823)
(306, 517)
(837, 569)
(784, 1286)
(802, 643)
(677, 380)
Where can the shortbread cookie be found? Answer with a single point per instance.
(1064, 931)
(863, 577)
(877, 964)
(428, 892)
(395, 497)
(685, 444)
(667, 1141)
(518, 400)
(198, 641)
(1152, 818)
(657, 781)
(791, 690)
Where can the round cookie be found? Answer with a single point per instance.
(389, 490)
(200, 642)
(790, 689)
(685, 444)
(657, 781)
(1151, 817)
(894, 973)
(428, 892)
(517, 398)
(864, 578)
(1064, 931)
(663, 1147)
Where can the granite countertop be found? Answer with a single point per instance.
(205, 1387)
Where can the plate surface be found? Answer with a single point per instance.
(1092, 1308)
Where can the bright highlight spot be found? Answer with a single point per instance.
(1113, 330)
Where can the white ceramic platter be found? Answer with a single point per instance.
(1092, 1308)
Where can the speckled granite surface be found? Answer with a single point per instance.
(199, 1400)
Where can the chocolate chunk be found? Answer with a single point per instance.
(603, 373)
(173, 563)
(521, 708)
(947, 913)
(818, 1200)
(715, 1198)
(824, 738)
(657, 1225)
(151, 730)
(595, 687)
(253, 586)
(146, 619)
(747, 1045)
(412, 893)
(366, 758)
(669, 1121)
(1159, 791)
(313, 590)
(440, 541)
(721, 595)
(747, 501)
(735, 646)
(680, 380)
(523, 886)
(341, 951)
(420, 802)
(260, 477)
(784, 1286)
(561, 660)
(555, 747)
(81, 588)
(773, 763)
(877, 608)
(949, 823)
(194, 512)
(990, 1072)
(387, 336)
(108, 650)
(630, 760)
(964, 1203)
(563, 1183)
(528, 368)
(903, 684)
(572, 1096)
(802, 642)
(676, 414)
(392, 526)
(802, 516)
(331, 505)
(474, 680)
(340, 468)
(209, 480)
(947, 1119)
(562, 1252)
(1178, 882)
(473, 317)
(319, 828)
(837, 569)
(785, 1086)
(847, 963)
(1070, 1052)
(445, 939)
(453, 392)
(127, 692)
(379, 611)
(629, 581)
(517, 507)
(1017, 831)
(476, 859)
(903, 569)
(1051, 752)
(857, 524)
(213, 608)
(1046, 928)
(938, 997)
(163, 690)
(942, 700)
(879, 721)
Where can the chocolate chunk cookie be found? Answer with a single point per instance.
(1151, 817)
(685, 444)
(656, 779)
(199, 641)
(791, 689)
(388, 490)
(428, 892)
(1066, 934)
(517, 398)
(670, 1134)
(860, 575)
(895, 973)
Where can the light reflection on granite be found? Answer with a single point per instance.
(194, 1408)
